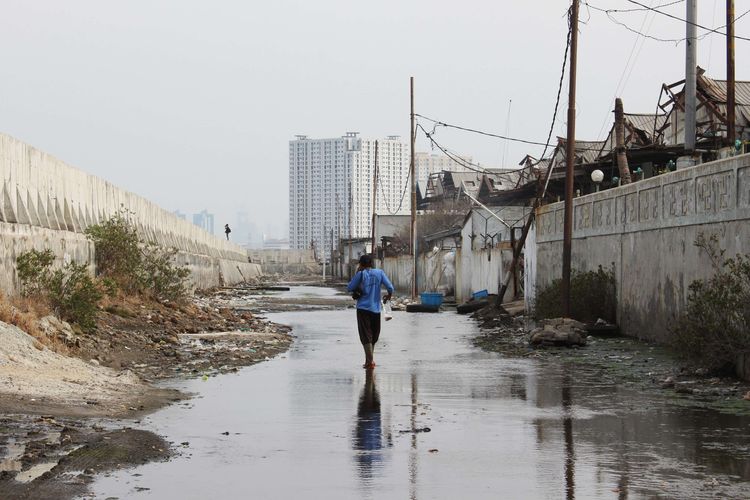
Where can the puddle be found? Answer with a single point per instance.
(314, 422)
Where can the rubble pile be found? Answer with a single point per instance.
(559, 332)
(150, 337)
(400, 303)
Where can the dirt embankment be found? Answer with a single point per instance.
(622, 360)
(50, 445)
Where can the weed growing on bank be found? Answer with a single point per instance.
(715, 327)
(133, 266)
(25, 313)
(126, 266)
(70, 291)
(592, 296)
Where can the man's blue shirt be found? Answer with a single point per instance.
(371, 280)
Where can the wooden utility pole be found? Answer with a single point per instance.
(691, 43)
(412, 173)
(570, 160)
(731, 134)
(374, 198)
(622, 158)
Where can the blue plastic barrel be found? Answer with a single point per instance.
(431, 299)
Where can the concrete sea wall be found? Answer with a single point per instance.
(647, 230)
(48, 204)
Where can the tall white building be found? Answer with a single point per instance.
(427, 164)
(331, 187)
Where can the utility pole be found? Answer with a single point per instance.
(570, 160)
(622, 158)
(412, 134)
(349, 262)
(323, 249)
(374, 197)
(730, 73)
(691, 42)
(332, 267)
(339, 271)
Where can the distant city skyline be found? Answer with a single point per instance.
(207, 97)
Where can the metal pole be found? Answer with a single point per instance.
(691, 42)
(349, 262)
(374, 197)
(570, 160)
(412, 133)
(731, 134)
(323, 250)
(332, 266)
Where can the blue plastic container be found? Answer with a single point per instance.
(431, 299)
(480, 294)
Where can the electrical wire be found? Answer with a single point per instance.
(453, 156)
(403, 195)
(677, 18)
(622, 82)
(439, 123)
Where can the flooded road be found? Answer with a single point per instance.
(438, 418)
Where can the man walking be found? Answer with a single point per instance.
(365, 288)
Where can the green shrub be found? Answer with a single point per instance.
(34, 269)
(127, 263)
(74, 295)
(592, 296)
(161, 276)
(70, 291)
(715, 327)
(118, 253)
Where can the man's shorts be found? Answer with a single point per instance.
(368, 324)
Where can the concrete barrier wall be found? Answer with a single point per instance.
(647, 230)
(48, 204)
(286, 261)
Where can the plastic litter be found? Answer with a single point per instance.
(387, 311)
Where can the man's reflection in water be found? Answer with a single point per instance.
(368, 434)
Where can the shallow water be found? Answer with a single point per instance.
(313, 423)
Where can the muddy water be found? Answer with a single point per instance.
(438, 418)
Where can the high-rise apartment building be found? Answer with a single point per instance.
(427, 164)
(205, 220)
(331, 187)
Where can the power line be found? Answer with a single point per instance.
(677, 18)
(403, 194)
(439, 123)
(622, 82)
(559, 90)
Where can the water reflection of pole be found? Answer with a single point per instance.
(567, 403)
(413, 465)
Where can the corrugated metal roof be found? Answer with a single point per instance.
(716, 90)
(587, 151)
(646, 122)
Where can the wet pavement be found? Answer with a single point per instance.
(438, 418)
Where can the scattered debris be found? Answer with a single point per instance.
(559, 332)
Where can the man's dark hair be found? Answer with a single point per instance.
(365, 260)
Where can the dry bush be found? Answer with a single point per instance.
(25, 313)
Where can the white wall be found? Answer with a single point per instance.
(41, 192)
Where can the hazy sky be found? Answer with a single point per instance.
(192, 104)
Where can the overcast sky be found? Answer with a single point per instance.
(192, 104)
